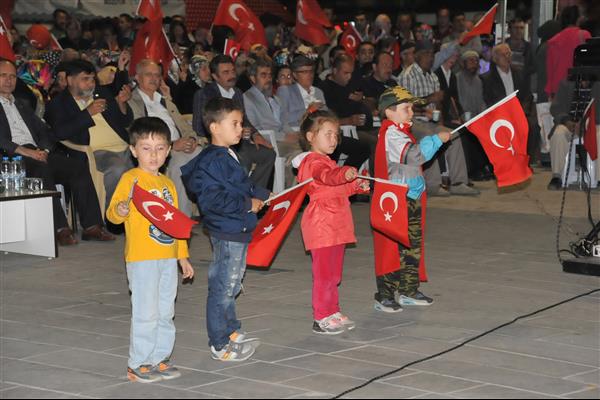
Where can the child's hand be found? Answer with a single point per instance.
(257, 205)
(364, 186)
(351, 174)
(186, 268)
(123, 208)
(444, 136)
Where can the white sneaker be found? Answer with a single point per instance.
(328, 326)
(347, 322)
(233, 352)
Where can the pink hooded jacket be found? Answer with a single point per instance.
(327, 220)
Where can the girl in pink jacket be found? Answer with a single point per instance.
(327, 224)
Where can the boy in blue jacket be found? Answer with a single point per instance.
(228, 201)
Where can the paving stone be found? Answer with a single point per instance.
(243, 388)
(325, 364)
(85, 361)
(432, 382)
(325, 383)
(498, 392)
(13, 348)
(266, 372)
(592, 377)
(383, 390)
(132, 390)
(23, 392)
(590, 393)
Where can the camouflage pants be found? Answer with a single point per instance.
(406, 279)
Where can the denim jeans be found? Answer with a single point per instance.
(153, 285)
(225, 276)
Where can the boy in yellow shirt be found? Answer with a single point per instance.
(151, 256)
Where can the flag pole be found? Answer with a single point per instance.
(278, 195)
(370, 178)
(481, 114)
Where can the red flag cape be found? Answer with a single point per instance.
(350, 39)
(391, 221)
(151, 41)
(483, 27)
(232, 48)
(310, 20)
(273, 227)
(6, 50)
(590, 138)
(245, 24)
(161, 214)
(387, 255)
(502, 131)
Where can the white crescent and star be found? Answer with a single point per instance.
(285, 205)
(351, 37)
(301, 14)
(494, 129)
(147, 204)
(233, 8)
(388, 195)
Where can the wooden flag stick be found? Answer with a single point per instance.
(370, 178)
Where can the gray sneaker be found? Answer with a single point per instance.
(328, 326)
(234, 352)
(463, 190)
(441, 192)
(417, 299)
(167, 370)
(143, 374)
(346, 322)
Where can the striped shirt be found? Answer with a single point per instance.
(419, 82)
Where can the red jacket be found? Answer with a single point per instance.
(327, 220)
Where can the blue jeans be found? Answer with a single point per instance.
(225, 276)
(153, 285)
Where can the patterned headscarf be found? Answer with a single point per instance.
(195, 64)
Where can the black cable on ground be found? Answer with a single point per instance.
(462, 344)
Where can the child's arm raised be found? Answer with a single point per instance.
(325, 174)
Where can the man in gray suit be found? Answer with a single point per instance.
(263, 110)
(152, 98)
(296, 98)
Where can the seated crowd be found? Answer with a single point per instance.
(91, 100)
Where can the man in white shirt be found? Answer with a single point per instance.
(152, 98)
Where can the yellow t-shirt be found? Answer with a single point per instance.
(143, 241)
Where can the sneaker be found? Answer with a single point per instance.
(234, 352)
(143, 374)
(418, 299)
(328, 326)
(167, 370)
(242, 337)
(463, 190)
(347, 322)
(387, 305)
(441, 192)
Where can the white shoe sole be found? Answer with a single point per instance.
(388, 310)
(328, 333)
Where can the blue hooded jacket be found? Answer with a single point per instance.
(224, 194)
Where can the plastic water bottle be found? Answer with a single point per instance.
(18, 172)
(5, 167)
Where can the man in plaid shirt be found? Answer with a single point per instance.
(420, 80)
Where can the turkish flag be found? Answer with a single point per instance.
(161, 214)
(483, 27)
(273, 227)
(6, 50)
(150, 9)
(232, 48)
(245, 24)
(590, 138)
(151, 42)
(388, 211)
(350, 39)
(396, 55)
(502, 131)
(310, 20)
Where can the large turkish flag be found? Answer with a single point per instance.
(310, 20)
(502, 131)
(245, 24)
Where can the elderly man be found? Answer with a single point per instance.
(381, 79)
(90, 115)
(503, 79)
(152, 98)
(263, 110)
(420, 80)
(255, 152)
(22, 133)
(296, 98)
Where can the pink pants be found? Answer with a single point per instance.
(327, 269)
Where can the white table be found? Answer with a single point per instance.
(27, 223)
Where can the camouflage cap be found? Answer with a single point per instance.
(396, 95)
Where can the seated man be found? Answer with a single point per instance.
(152, 98)
(263, 110)
(381, 79)
(350, 109)
(91, 116)
(420, 80)
(296, 98)
(501, 80)
(21, 132)
(256, 153)
(563, 108)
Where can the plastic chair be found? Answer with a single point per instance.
(279, 176)
(97, 176)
